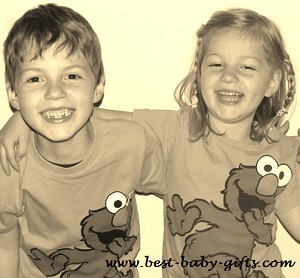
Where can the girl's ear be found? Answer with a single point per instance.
(12, 97)
(274, 83)
(99, 90)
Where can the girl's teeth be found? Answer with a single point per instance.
(58, 114)
(229, 94)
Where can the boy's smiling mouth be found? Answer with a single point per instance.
(57, 115)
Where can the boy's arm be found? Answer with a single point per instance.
(9, 254)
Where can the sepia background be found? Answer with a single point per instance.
(147, 49)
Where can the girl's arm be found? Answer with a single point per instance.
(14, 136)
(290, 220)
(9, 253)
(13, 142)
(112, 114)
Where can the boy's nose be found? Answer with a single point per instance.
(229, 74)
(55, 91)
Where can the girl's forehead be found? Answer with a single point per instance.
(235, 46)
(238, 34)
(236, 38)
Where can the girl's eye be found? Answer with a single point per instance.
(247, 67)
(216, 65)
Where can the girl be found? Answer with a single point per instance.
(229, 174)
(228, 177)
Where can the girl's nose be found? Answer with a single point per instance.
(55, 91)
(229, 74)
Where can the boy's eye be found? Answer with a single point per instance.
(73, 76)
(34, 79)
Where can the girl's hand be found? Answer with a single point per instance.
(14, 138)
(284, 129)
(298, 157)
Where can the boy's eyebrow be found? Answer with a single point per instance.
(75, 66)
(66, 68)
(30, 69)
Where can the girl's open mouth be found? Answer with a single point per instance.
(229, 98)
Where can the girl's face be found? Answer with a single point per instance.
(235, 77)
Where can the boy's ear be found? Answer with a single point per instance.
(12, 97)
(99, 90)
(274, 83)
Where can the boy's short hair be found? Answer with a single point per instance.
(41, 27)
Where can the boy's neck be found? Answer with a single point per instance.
(67, 152)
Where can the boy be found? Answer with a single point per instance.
(70, 210)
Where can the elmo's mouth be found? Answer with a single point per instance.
(108, 237)
(248, 202)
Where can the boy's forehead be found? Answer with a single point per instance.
(32, 53)
(51, 60)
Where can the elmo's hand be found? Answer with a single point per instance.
(181, 218)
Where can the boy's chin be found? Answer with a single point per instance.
(55, 138)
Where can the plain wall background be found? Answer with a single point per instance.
(147, 49)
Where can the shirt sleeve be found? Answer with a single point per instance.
(9, 201)
(153, 168)
(161, 125)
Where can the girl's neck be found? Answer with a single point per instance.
(67, 152)
(239, 131)
(239, 137)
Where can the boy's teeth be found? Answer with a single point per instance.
(58, 114)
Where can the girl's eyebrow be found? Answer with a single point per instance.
(212, 54)
(242, 57)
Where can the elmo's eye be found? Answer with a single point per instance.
(284, 174)
(266, 165)
(115, 201)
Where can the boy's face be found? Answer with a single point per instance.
(55, 93)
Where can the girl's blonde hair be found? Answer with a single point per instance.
(271, 109)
